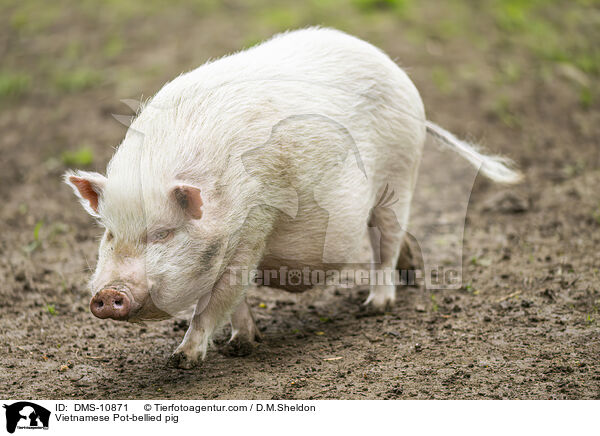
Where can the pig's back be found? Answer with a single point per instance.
(302, 68)
(313, 71)
(310, 84)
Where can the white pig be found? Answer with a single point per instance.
(279, 155)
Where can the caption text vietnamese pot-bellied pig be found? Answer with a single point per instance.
(234, 165)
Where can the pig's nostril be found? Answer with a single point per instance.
(110, 303)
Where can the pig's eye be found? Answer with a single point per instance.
(162, 236)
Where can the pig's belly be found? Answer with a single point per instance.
(301, 247)
(294, 276)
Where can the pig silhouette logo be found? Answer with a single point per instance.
(26, 415)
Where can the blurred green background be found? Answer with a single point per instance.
(59, 47)
(488, 54)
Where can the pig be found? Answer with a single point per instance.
(278, 155)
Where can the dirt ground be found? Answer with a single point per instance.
(524, 325)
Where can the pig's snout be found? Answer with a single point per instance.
(110, 303)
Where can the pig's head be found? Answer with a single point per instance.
(156, 256)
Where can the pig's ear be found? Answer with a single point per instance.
(189, 199)
(88, 187)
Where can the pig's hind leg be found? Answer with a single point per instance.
(244, 333)
(387, 232)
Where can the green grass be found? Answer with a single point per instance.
(586, 97)
(573, 169)
(554, 31)
(399, 6)
(442, 80)
(31, 17)
(512, 15)
(510, 72)
(503, 111)
(36, 243)
(434, 305)
(282, 18)
(77, 80)
(113, 47)
(51, 309)
(469, 288)
(36, 230)
(596, 215)
(73, 51)
(252, 40)
(480, 261)
(525, 38)
(13, 84)
(80, 158)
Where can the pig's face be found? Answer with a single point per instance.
(155, 258)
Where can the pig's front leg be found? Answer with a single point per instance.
(227, 294)
(244, 333)
(206, 319)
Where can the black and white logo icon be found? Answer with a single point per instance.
(26, 415)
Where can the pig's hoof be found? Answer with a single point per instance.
(374, 310)
(238, 347)
(182, 361)
(381, 299)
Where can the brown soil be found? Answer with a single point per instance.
(524, 324)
